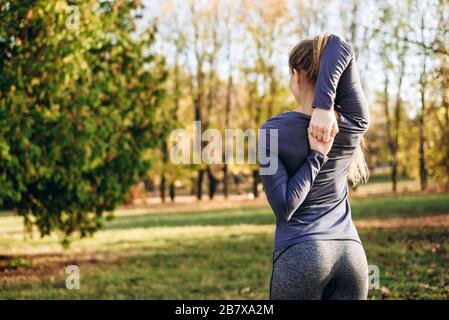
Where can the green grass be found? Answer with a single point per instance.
(216, 254)
(401, 206)
(413, 262)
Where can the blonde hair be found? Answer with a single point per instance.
(306, 56)
(358, 171)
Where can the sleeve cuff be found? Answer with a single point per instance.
(322, 158)
(322, 106)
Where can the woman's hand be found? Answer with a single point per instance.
(320, 146)
(323, 124)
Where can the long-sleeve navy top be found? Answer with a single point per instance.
(309, 191)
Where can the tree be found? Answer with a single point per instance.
(173, 35)
(262, 74)
(213, 81)
(393, 54)
(422, 115)
(77, 106)
(229, 22)
(197, 83)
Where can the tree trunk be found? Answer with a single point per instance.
(199, 184)
(172, 192)
(225, 181)
(422, 160)
(422, 156)
(397, 120)
(192, 186)
(163, 184)
(422, 138)
(256, 181)
(238, 185)
(394, 175)
(213, 182)
(446, 136)
(162, 188)
(388, 128)
(198, 91)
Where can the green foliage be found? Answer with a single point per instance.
(77, 110)
(20, 262)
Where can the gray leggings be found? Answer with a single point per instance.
(322, 269)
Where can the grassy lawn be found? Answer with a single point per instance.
(215, 254)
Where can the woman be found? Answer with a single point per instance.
(317, 251)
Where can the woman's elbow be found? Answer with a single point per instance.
(364, 124)
(366, 121)
(344, 45)
(284, 214)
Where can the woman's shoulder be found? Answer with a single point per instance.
(286, 119)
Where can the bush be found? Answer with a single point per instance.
(77, 109)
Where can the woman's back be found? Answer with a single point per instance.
(325, 212)
(309, 190)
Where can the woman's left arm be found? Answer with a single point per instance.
(335, 59)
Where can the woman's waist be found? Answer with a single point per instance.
(332, 224)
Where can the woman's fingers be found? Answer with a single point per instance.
(322, 123)
(315, 132)
(321, 133)
(326, 135)
(312, 139)
(334, 130)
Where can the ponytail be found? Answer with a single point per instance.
(358, 171)
(319, 43)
